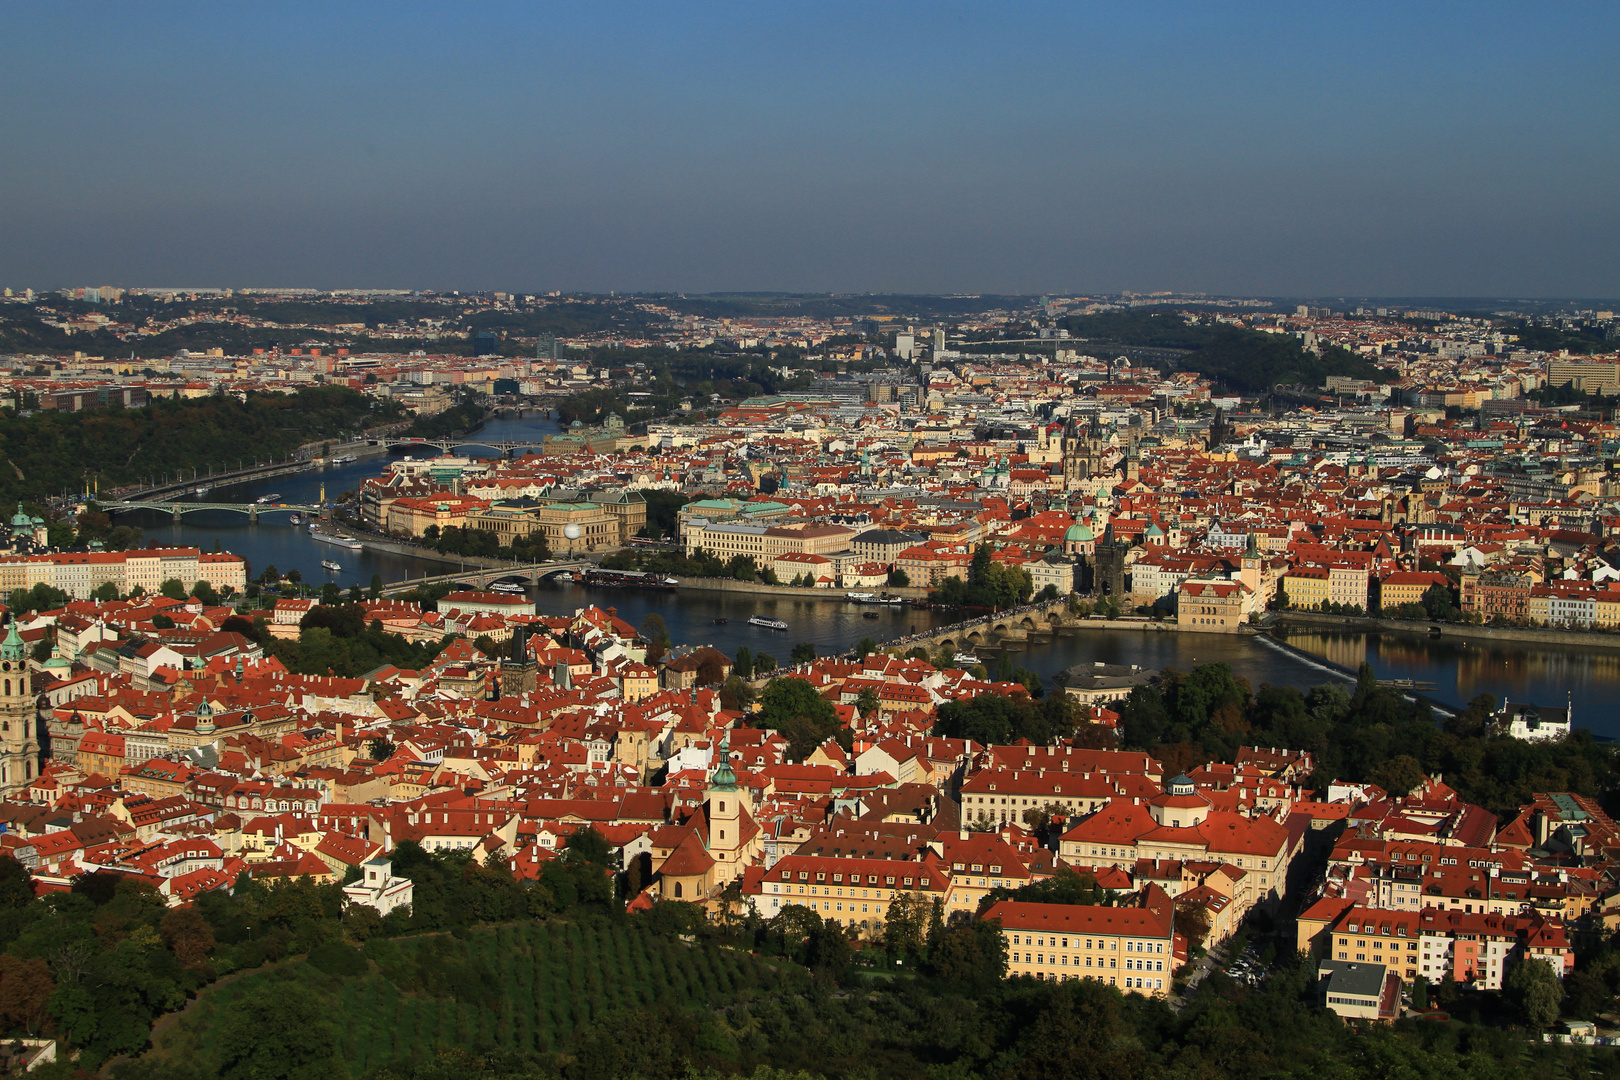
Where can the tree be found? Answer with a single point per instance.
(905, 923)
(743, 665)
(279, 1032)
(26, 987)
(867, 702)
(204, 591)
(656, 635)
(764, 662)
(188, 935)
(899, 579)
(804, 652)
(162, 621)
(797, 710)
(589, 845)
(866, 646)
(1534, 989)
(376, 587)
(1192, 921)
(1399, 775)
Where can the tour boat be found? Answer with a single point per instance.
(861, 597)
(506, 587)
(639, 579)
(965, 658)
(328, 564)
(768, 624)
(335, 540)
(344, 459)
(296, 520)
(270, 498)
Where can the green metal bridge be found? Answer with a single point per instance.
(180, 509)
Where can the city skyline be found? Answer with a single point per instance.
(1307, 153)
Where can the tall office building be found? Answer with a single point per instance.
(545, 347)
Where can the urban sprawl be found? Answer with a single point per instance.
(986, 460)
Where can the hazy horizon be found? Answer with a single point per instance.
(1247, 150)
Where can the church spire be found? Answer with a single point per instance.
(723, 778)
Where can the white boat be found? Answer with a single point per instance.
(335, 540)
(296, 520)
(861, 597)
(768, 624)
(270, 498)
(201, 491)
(344, 459)
(328, 564)
(506, 587)
(966, 659)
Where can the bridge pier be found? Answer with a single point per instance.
(253, 515)
(176, 512)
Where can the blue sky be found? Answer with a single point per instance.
(1281, 149)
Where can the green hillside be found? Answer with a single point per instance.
(526, 987)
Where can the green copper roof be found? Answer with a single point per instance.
(13, 648)
(723, 778)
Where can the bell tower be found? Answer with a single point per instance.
(728, 810)
(19, 739)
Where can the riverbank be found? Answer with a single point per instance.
(1498, 634)
(471, 562)
(732, 585)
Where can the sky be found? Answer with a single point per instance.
(1287, 149)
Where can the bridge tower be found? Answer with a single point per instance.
(19, 737)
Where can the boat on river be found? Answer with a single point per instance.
(332, 565)
(296, 520)
(767, 623)
(506, 587)
(631, 579)
(335, 540)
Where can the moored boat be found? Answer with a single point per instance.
(336, 540)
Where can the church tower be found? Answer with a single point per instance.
(19, 739)
(1083, 453)
(728, 814)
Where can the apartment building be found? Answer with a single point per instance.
(1132, 947)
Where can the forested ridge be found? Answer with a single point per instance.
(47, 453)
(1248, 360)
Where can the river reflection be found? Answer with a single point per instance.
(1588, 678)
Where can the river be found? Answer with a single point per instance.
(1546, 675)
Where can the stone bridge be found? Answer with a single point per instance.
(484, 577)
(994, 630)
